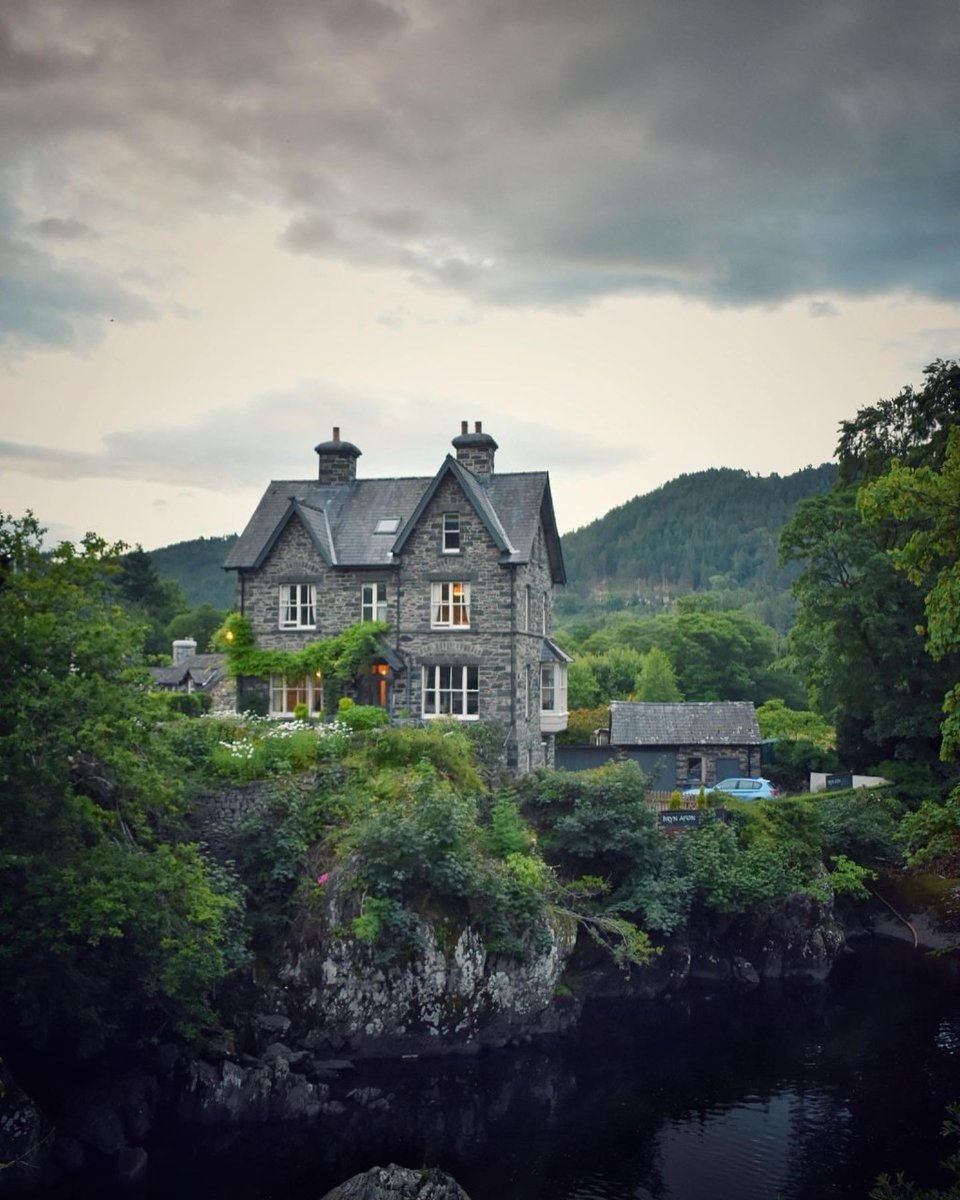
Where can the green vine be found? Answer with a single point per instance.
(342, 657)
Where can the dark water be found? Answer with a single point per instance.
(802, 1095)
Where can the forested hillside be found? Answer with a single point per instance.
(715, 529)
(197, 566)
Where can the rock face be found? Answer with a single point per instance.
(798, 940)
(398, 1183)
(26, 1137)
(332, 997)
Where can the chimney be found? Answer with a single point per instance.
(475, 450)
(338, 461)
(183, 648)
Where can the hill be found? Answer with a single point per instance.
(714, 530)
(197, 566)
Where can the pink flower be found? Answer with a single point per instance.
(322, 879)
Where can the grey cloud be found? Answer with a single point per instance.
(45, 302)
(525, 151)
(61, 229)
(274, 435)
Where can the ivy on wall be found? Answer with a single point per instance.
(342, 657)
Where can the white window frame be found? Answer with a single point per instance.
(450, 542)
(451, 690)
(373, 602)
(298, 606)
(450, 605)
(287, 691)
(548, 687)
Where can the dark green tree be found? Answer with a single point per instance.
(857, 635)
(111, 926)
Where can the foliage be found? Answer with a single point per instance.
(793, 761)
(932, 833)
(154, 601)
(849, 878)
(582, 724)
(911, 428)
(245, 747)
(419, 843)
(778, 721)
(657, 680)
(112, 925)
(361, 716)
(444, 745)
(860, 823)
(199, 623)
(926, 504)
(855, 636)
(337, 658)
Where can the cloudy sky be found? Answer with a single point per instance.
(633, 237)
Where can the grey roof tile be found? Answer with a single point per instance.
(342, 520)
(707, 723)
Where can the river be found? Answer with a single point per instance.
(796, 1094)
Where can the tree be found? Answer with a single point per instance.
(199, 623)
(154, 600)
(855, 637)
(925, 503)
(719, 655)
(658, 680)
(111, 925)
(856, 632)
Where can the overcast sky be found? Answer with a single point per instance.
(634, 238)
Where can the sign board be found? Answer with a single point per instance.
(689, 818)
(678, 818)
(839, 781)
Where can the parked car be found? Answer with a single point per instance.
(742, 789)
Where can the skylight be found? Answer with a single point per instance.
(387, 525)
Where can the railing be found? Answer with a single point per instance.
(660, 801)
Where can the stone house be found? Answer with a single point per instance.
(462, 566)
(689, 743)
(192, 672)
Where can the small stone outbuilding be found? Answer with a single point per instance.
(689, 744)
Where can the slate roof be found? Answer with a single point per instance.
(342, 520)
(707, 723)
(203, 669)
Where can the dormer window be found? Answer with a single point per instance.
(451, 533)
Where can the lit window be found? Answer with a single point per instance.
(298, 606)
(387, 525)
(373, 602)
(451, 533)
(450, 605)
(287, 691)
(451, 691)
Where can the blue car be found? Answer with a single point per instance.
(741, 789)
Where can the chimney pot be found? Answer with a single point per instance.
(464, 426)
(479, 427)
(336, 433)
